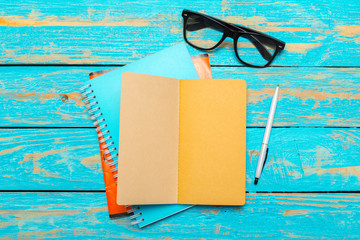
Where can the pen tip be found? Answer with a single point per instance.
(256, 181)
(278, 85)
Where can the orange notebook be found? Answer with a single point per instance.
(202, 66)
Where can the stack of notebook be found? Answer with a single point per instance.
(179, 140)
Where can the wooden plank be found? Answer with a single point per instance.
(265, 216)
(300, 159)
(49, 96)
(50, 159)
(321, 33)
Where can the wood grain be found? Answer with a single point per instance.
(315, 147)
(265, 216)
(300, 159)
(50, 159)
(321, 33)
(49, 96)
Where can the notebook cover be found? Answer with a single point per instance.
(154, 213)
(209, 118)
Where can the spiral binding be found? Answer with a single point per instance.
(135, 215)
(130, 210)
(93, 110)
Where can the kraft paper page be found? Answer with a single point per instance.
(212, 148)
(149, 140)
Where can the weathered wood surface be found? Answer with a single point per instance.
(49, 96)
(315, 148)
(317, 33)
(300, 159)
(50, 159)
(265, 216)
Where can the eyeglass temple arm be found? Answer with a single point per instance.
(260, 47)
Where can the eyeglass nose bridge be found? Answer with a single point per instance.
(232, 34)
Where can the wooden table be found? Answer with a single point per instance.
(50, 177)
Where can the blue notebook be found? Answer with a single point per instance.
(147, 214)
(103, 100)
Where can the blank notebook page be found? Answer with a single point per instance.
(149, 139)
(212, 146)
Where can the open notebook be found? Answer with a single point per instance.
(182, 141)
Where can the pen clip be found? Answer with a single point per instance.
(267, 151)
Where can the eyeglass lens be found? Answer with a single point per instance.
(202, 32)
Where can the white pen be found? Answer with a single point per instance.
(264, 147)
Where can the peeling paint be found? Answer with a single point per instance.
(285, 29)
(209, 212)
(350, 134)
(91, 162)
(295, 212)
(4, 224)
(13, 120)
(10, 150)
(317, 199)
(54, 21)
(96, 210)
(84, 58)
(31, 214)
(301, 48)
(348, 31)
(313, 204)
(310, 195)
(225, 6)
(255, 96)
(43, 97)
(343, 171)
(34, 157)
(54, 233)
(254, 154)
(322, 158)
(246, 21)
(64, 115)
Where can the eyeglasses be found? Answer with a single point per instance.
(252, 48)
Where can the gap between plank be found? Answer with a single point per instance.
(121, 65)
(74, 127)
(103, 191)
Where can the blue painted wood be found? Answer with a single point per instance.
(50, 159)
(321, 33)
(264, 216)
(49, 96)
(300, 159)
(306, 156)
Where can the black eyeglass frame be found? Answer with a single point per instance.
(233, 31)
